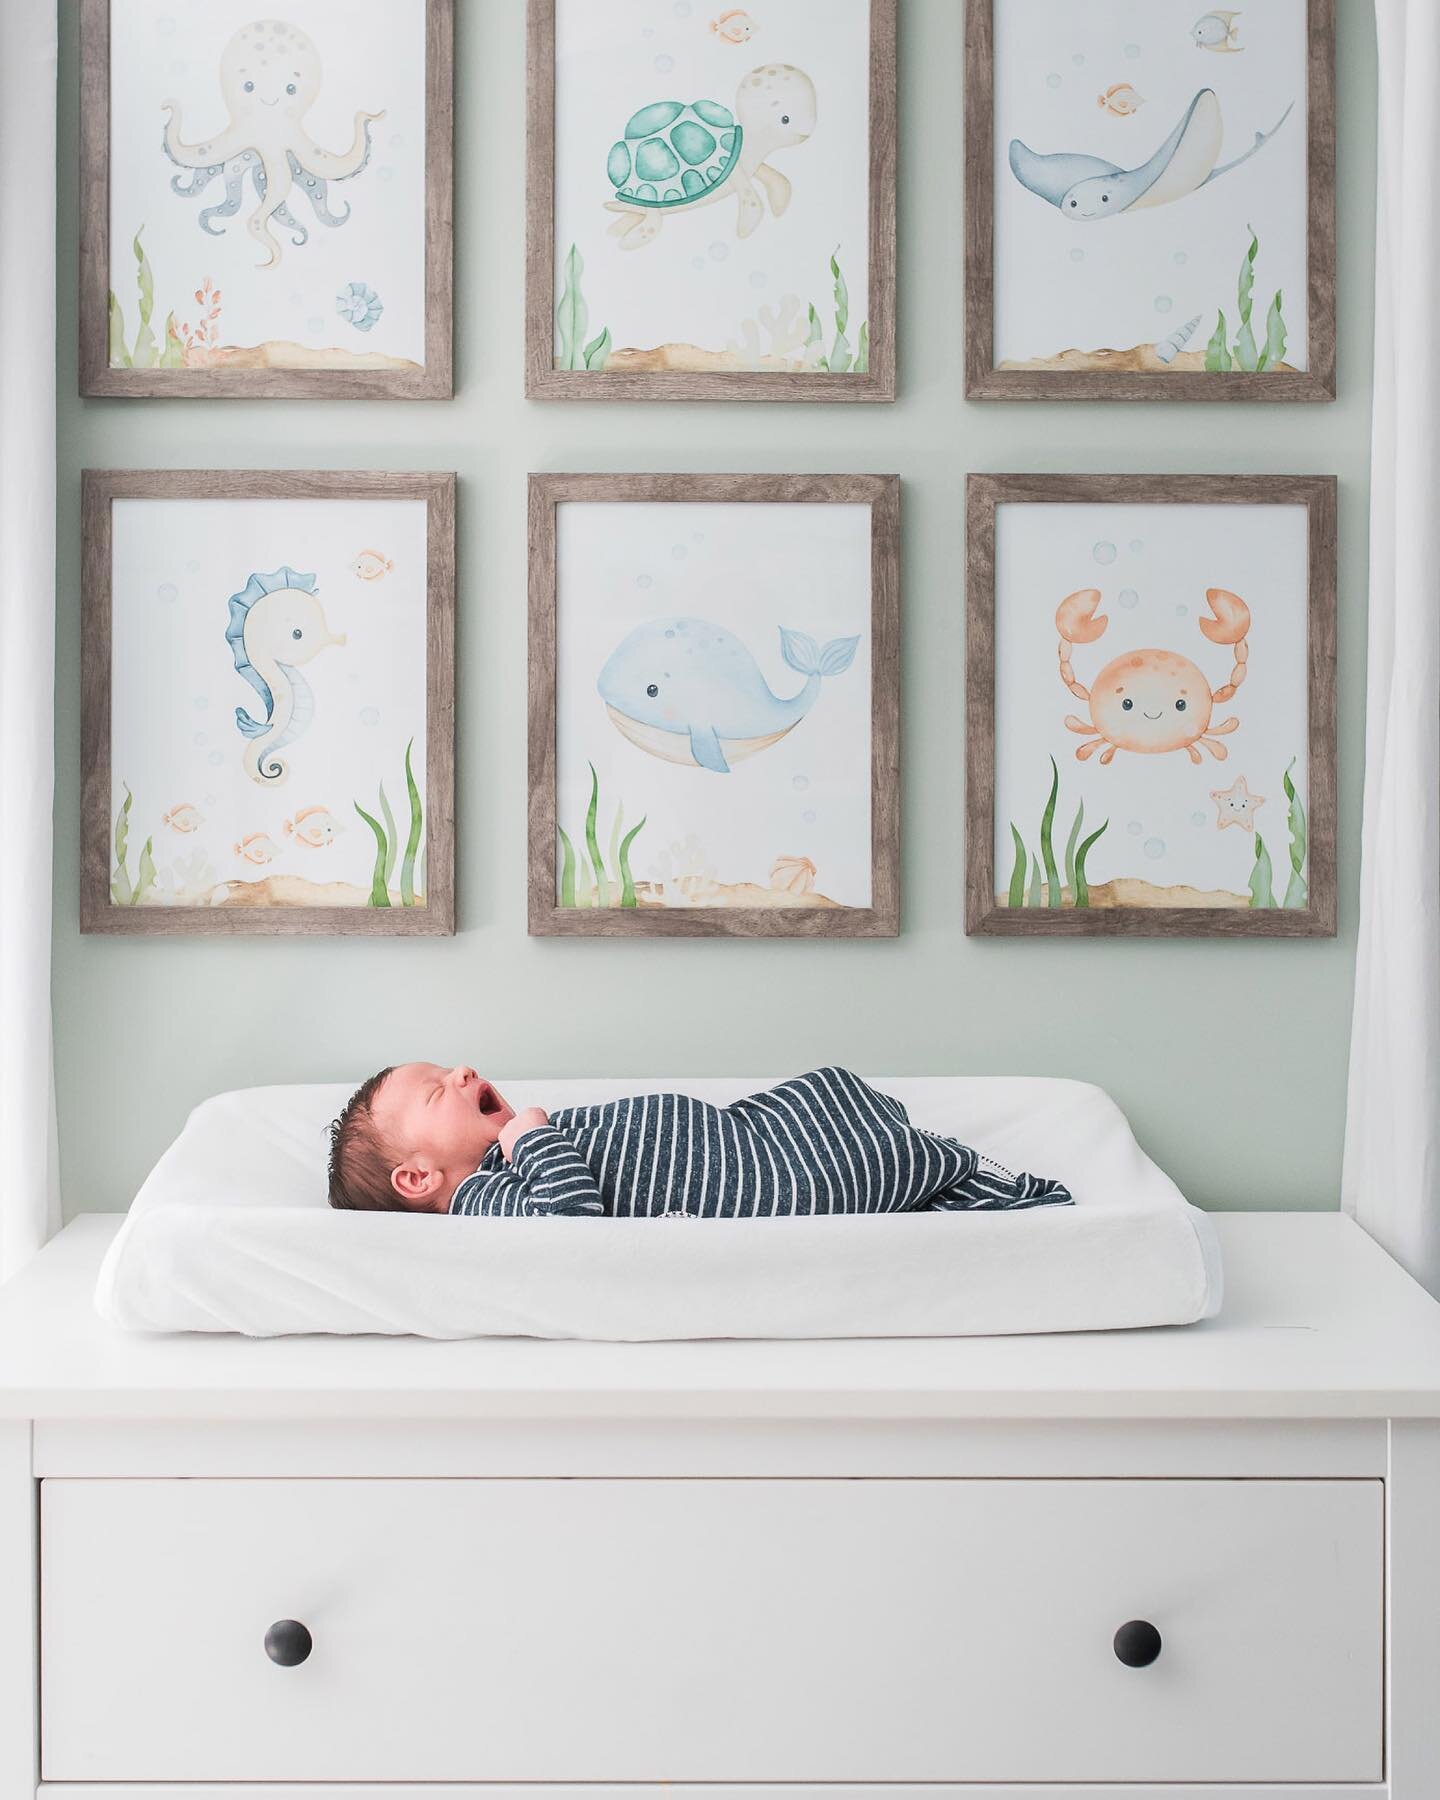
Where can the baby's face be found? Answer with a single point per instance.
(438, 1121)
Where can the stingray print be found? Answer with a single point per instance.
(1087, 188)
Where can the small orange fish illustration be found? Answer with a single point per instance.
(313, 826)
(370, 565)
(184, 818)
(259, 848)
(734, 27)
(1121, 100)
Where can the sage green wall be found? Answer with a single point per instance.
(1230, 1058)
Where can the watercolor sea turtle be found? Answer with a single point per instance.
(675, 157)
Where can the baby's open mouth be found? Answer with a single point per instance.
(488, 1100)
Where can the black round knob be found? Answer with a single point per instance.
(288, 1643)
(1137, 1644)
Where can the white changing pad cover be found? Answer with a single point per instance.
(232, 1232)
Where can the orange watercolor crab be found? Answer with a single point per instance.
(1152, 701)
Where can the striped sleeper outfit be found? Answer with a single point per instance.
(823, 1143)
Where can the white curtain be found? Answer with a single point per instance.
(1392, 1141)
(29, 1187)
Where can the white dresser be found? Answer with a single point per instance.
(1201, 1562)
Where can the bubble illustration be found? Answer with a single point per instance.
(1163, 303)
(215, 759)
(1181, 612)
(800, 784)
(644, 581)
(664, 64)
(1137, 546)
(1181, 259)
(1078, 60)
(679, 552)
(683, 9)
(759, 278)
(200, 737)
(1154, 848)
(168, 592)
(719, 251)
(201, 703)
(1129, 599)
(1052, 81)
(697, 262)
(385, 172)
(397, 140)
(1132, 51)
(1105, 554)
(193, 566)
(808, 817)
(369, 715)
(1077, 255)
(1134, 828)
(1197, 818)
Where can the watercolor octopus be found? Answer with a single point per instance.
(1152, 701)
(269, 77)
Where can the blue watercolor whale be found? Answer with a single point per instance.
(688, 691)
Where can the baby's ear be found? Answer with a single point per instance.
(416, 1183)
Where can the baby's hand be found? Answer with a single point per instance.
(515, 1129)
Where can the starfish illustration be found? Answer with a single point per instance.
(1236, 805)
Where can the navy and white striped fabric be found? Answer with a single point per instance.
(822, 1143)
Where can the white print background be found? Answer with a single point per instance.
(1165, 559)
(373, 58)
(1187, 253)
(174, 685)
(752, 569)
(698, 281)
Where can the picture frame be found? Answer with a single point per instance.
(1021, 742)
(819, 351)
(363, 313)
(1072, 314)
(182, 689)
(766, 800)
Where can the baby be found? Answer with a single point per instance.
(419, 1138)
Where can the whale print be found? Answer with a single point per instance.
(1088, 188)
(276, 624)
(689, 692)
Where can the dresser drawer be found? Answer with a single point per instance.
(804, 1631)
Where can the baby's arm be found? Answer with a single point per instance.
(547, 1175)
(990, 1187)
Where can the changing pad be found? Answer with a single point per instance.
(231, 1232)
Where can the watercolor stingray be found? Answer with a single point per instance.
(690, 692)
(1086, 188)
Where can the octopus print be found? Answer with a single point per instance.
(270, 78)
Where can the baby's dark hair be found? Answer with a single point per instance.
(360, 1162)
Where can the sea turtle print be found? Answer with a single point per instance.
(676, 157)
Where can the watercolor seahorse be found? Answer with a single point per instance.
(276, 624)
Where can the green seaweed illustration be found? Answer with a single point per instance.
(387, 842)
(145, 352)
(842, 360)
(572, 320)
(1262, 876)
(1297, 891)
(124, 892)
(1246, 355)
(1044, 886)
(603, 884)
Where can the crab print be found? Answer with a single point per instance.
(1152, 701)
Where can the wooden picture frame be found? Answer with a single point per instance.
(432, 792)
(545, 381)
(984, 914)
(985, 381)
(216, 379)
(880, 494)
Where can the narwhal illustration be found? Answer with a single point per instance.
(276, 623)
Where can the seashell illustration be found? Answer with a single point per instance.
(793, 874)
(1169, 348)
